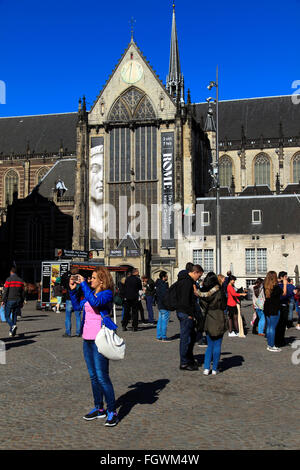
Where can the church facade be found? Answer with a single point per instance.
(140, 150)
(136, 166)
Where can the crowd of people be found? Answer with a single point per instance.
(205, 308)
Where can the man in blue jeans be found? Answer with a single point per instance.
(162, 287)
(149, 286)
(69, 307)
(185, 309)
(13, 299)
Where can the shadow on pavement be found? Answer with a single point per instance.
(229, 362)
(25, 317)
(41, 331)
(143, 393)
(17, 341)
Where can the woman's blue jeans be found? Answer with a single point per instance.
(262, 320)
(68, 323)
(98, 368)
(272, 321)
(149, 303)
(213, 352)
(162, 323)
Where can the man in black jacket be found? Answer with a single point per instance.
(13, 299)
(186, 315)
(132, 287)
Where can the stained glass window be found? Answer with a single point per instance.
(11, 185)
(225, 169)
(296, 168)
(262, 169)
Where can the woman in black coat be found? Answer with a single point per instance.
(213, 300)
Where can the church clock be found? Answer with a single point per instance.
(132, 72)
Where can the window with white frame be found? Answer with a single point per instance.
(261, 260)
(205, 258)
(250, 260)
(256, 216)
(256, 260)
(205, 218)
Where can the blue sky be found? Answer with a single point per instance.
(51, 53)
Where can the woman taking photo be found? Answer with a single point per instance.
(213, 301)
(273, 292)
(97, 302)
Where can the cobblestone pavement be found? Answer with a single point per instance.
(45, 390)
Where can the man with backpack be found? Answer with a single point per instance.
(13, 299)
(185, 309)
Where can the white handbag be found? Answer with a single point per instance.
(109, 344)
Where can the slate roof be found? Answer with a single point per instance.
(257, 190)
(43, 132)
(280, 215)
(257, 115)
(63, 170)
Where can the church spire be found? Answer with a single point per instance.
(175, 82)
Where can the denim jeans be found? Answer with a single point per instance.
(272, 321)
(11, 311)
(162, 323)
(291, 309)
(187, 339)
(68, 324)
(298, 311)
(262, 320)
(98, 368)
(213, 352)
(149, 303)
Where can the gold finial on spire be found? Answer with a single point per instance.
(132, 21)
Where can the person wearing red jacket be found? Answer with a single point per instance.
(232, 301)
(13, 299)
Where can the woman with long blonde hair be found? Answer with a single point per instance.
(273, 292)
(96, 305)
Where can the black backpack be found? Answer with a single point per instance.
(170, 298)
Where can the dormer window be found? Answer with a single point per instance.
(256, 216)
(205, 218)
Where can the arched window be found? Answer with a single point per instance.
(11, 185)
(41, 173)
(296, 168)
(225, 171)
(262, 169)
(133, 104)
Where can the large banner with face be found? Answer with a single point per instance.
(96, 192)
(168, 196)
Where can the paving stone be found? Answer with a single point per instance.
(45, 390)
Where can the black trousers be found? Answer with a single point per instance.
(131, 306)
(141, 310)
(281, 325)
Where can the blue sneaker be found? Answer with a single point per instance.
(95, 413)
(112, 419)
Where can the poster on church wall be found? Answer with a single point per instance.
(167, 165)
(96, 184)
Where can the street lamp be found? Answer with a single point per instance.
(216, 175)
